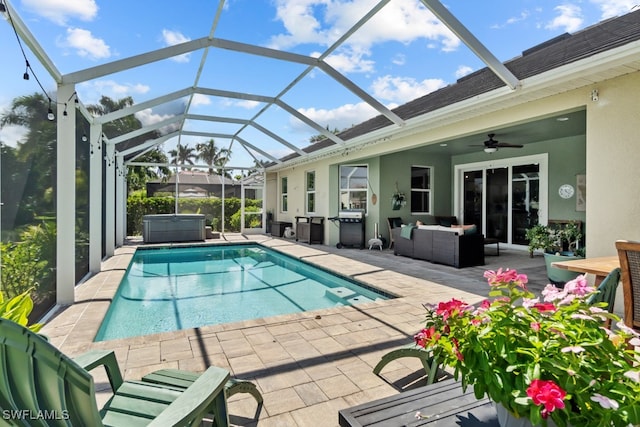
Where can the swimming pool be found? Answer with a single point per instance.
(170, 289)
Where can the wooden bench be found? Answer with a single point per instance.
(444, 403)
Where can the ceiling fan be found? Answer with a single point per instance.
(491, 145)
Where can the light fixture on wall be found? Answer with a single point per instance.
(490, 150)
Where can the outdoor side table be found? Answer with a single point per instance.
(445, 404)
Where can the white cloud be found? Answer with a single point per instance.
(323, 22)
(463, 70)
(60, 11)
(172, 38)
(91, 92)
(200, 99)
(246, 104)
(513, 20)
(340, 118)
(85, 44)
(399, 59)
(569, 18)
(611, 8)
(351, 62)
(11, 135)
(147, 117)
(403, 89)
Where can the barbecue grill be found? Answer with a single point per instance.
(351, 224)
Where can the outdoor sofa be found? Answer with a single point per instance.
(455, 246)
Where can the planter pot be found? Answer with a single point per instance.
(507, 419)
(559, 276)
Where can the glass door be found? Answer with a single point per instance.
(473, 190)
(503, 198)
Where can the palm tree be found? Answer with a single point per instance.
(137, 176)
(36, 153)
(183, 154)
(213, 156)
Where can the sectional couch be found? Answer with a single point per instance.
(439, 244)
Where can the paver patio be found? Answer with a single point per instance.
(307, 365)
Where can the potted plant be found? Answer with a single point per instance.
(398, 199)
(558, 244)
(549, 361)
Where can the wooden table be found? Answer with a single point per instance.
(599, 267)
(444, 403)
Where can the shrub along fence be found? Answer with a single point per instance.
(211, 208)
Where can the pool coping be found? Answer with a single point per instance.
(348, 281)
(352, 335)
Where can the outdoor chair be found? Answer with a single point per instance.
(393, 223)
(43, 387)
(429, 363)
(607, 292)
(629, 255)
(184, 379)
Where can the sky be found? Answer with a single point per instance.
(401, 53)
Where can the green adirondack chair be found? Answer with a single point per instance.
(40, 386)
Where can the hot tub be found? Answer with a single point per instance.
(173, 228)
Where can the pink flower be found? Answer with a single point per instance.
(572, 349)
(544, 307)
(578, 286)
(547, 393)
(495, 278)
(605, 402)
(535, 326)
(552, 293)
(426, 337)
(450, 308)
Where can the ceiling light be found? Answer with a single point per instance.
(444, 144)
(562, 119)
(490, 150)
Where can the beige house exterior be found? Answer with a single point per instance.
(601, 90)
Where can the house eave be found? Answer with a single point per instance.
(583, 73)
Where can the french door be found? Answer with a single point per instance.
(503, 197)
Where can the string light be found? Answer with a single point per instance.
(28, 72)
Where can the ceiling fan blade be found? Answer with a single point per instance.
(507, 145)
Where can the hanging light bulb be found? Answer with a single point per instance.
(50, 116)
(26, 71)
(64, 113)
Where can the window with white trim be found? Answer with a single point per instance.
(310, 186)
(421, 189)
(284, 195)
(354, 187)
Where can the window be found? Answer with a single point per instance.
(284, 196)
(311, 191)
(354, 183)
(420, 190)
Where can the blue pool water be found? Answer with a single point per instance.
(179, 288)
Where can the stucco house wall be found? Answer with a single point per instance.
(611, 156)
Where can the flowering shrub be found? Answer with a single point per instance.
(540, 359)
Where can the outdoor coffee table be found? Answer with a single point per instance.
(444, 403)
